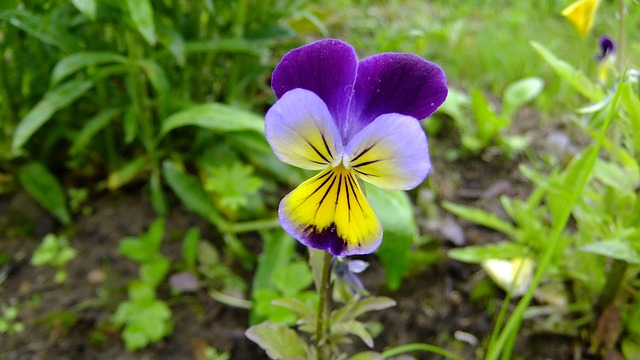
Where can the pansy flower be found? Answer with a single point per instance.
(350, 120)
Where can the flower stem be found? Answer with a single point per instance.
(614, 279)
(323, 303)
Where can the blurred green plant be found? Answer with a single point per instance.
(55, 251)
(481, 126)
(587, 265)
(8, 320)
(145, 318)
(122, 75)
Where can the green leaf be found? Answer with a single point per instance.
(480, 253)
(395, 212)
(154, 271)
(83, 139)
(127, 173)
(45, 188)
(293, 278)
(218, 117)
(156, 75)
(619, 249)
(231, 45)
(36, 26)
(367, 355)
(52, 101)
(173, 41)
(190, 247)
(488, 123)
(87, 7)
(373, 303)
(277, 251)
(53, 251)
(158, 198)
(279, 341)
(520, 93)
(141, 13)
(631, 104)
(480, 217)
(72, 63)
(352, 327)
(578, 80)
(190, 192)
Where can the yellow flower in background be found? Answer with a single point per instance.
(581, 14)
(514, 274)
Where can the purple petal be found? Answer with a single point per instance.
(391, 153)
(326, 67)
(301, 131)
(607, 47)
(395, 83)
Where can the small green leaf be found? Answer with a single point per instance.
(367, 355)
(279, 341)
(480, 253)
(127, 173)
(373, 303)
(98, 122)
(190, 247)
(578, 80)
(173, 41)
(72, 63)
(218, 117)
(355, 328)
(45, 188)
(36, 26)
(520, 93)
(395, 212)
(158, 199)
(53, 100)
(190, 192)
(152, 272)
(141, 13)
(615, 249)
(480, 217)
(293, 278)
(87, 7)
(156, 75)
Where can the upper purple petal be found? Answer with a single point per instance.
(326, 67)
(395, 83)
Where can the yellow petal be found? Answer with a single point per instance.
(514, 275)
(329, 212)
(581, 14)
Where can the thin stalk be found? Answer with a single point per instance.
(398, 350)
(323, 303)
(621, 33)
(138, 94)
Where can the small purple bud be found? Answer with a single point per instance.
(607, 47)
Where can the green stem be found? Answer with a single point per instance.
(323, 303)
(138, 94)
(255, 225)
(419, 347)
(621, 32)
(610, 289)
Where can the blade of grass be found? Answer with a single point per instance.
(507, 335)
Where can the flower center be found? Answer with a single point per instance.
(342, 160)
